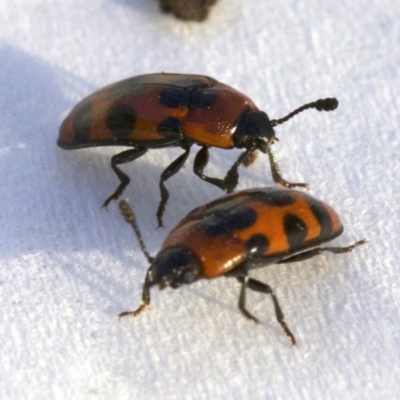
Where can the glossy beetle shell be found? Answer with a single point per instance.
(260, 226)
(153, 109)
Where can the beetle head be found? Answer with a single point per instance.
(174, 267)
(254, 131)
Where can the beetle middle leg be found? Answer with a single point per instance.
(171, 170)
(145, 299)
(261, 287)
(123, 158)
(200, 162)
(229, 183)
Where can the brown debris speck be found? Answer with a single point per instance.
(190, 10)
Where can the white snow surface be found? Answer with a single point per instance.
(68, 267)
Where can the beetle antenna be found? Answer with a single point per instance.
(328, 104)
(129, 216)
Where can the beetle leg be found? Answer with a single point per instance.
(171, 170)
(244, 279)
(200, 162)
(229, 183)
(122, 158)
(232, 177)
(315, 252)
(141, 308)
(276, 173)
(261, 287)
(145, 299)
(250, 158)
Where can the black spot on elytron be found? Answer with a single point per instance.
(221, 222)
(121, 120)
(202, 99)
(275, 198)
(172, 97)
(82, 122)
(169, 127)
(323, 218)
(295, 230)
(242, 218)
(257, 245)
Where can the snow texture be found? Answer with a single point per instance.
(67, 267)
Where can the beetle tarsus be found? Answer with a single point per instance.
(135, 313)
(276, 173)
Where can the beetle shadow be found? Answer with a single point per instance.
(33, 100)
(31, 105)
(48, 194)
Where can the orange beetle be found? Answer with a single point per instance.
(239, 232)
(163, 110)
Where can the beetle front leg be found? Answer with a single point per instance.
(123, 158)
(276, 173)
(261, 287)
(232, 177)
(145, 299)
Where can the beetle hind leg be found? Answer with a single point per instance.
(261, 287)
(305, 255)
(171, 170)
(123, 158)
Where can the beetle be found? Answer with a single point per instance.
(175, 110)
(237, 233)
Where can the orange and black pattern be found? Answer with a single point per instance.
(156, 110)
(265, 224)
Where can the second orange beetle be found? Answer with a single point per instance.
(237, 233)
